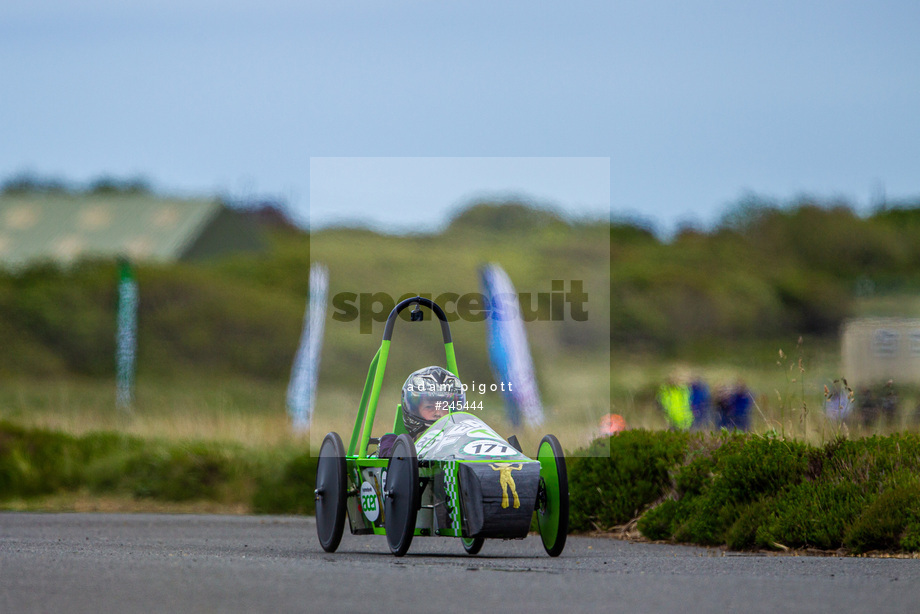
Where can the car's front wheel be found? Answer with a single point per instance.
(552, 496)
(401, 495)
(330, 492)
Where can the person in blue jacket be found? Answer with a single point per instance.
(700, 404)
(733, 407)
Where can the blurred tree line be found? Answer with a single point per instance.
(29, 183)
(764, 272)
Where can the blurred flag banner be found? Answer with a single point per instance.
(509, 352)
(125, 335)
(301, 393)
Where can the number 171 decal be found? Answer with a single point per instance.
(487, 447)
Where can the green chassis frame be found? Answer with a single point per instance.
(356, 456)
(367, 409)
(551, 512)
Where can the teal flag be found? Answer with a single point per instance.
(125, 336)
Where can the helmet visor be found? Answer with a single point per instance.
(432, 406)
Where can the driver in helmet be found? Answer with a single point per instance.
(429, 394)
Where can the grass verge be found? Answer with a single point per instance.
(740, 491)
(43, 465)
(750, 492)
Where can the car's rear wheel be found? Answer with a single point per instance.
(401, 495)
(472, 545)
(330, 492)
(552, 496)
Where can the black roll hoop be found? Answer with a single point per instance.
(424, 302)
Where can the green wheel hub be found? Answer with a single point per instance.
(553, 499)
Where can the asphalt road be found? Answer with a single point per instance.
(175, 563)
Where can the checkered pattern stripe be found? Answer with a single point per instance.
(451, 477)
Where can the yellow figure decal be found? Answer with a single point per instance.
(506, 480)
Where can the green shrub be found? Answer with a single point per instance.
(612, 490)
(748, 491)
(910, 538)
(890, 522)
(751, 467)
(35, 462)
(658, 522)
(760, 492)
(815, 514)
(704, 523)
(291, 492)
(748, 531)
(718, 492)
(873, 460)
(692, 478)
(180, 473)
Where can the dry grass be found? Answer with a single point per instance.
(575, 396)
(82, 502)
(248, 412)
(577, 393)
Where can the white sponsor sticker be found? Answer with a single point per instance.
(488, 447)
(369, 502)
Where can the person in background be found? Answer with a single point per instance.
(674, 400)
(890, 403)
(867, 407)
(700, 404)
(733, 407)
(837, 404)
(741, 406)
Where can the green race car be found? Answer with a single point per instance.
(458, 479)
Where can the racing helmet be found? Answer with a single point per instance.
(431, 386)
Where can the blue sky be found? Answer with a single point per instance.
(413, 194)
(695, 103)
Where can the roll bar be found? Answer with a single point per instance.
(374, 382)
(418, 300)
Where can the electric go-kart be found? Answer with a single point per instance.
(459, 479)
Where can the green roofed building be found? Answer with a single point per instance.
(66, 227)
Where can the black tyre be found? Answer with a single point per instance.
(401, 495)
(330, 492)
(553, 496)
(472, 545)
